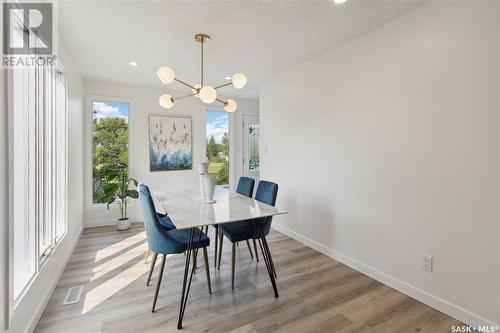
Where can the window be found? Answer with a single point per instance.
(217, 131)
(109, 144)
(38, 176)
(253, 148)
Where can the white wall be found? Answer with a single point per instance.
(29, 310)
(388, 147)
(144, 103)
(4, 214)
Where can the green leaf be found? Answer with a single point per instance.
(110, 202)
(134, 181)
(110, 188)
(133, 194)
(111, 173)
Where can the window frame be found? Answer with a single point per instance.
(90, 98)
(232, 139)
(55, 239)
(33, 179)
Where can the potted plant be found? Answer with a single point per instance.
(116, 189)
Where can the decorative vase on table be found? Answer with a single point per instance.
(202, 169)
(209, 187)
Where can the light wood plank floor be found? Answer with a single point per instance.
(317, 293)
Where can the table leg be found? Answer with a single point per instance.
(266, 246)
(186, 284)
(266, 254)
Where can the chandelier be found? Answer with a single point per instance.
(206, 93)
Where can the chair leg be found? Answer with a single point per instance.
(195, 264)
(249, 249)
(255, 250)
(147, 255)
(216, 244)
(221, 238)
(159, 282)
(207, 269)
(155, 255)
(233, 262)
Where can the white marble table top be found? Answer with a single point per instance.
(186, 209)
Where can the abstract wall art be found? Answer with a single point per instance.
(170, 143)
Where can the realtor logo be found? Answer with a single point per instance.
(28, 34)
(32, 21)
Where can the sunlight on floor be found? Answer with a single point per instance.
(109, 265)
(116, 247)
(113, 285)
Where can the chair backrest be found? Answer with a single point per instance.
(245, 186)
(267, 193)
(158, 241)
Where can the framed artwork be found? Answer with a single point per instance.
(170, 143)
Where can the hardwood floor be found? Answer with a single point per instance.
(317, 293)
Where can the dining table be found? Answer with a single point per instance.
(188, 210)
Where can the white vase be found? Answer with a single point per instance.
(209, 187)
(202, 169)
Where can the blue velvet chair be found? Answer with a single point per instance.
(165, 222)
(244, 230)
(245, 187)
(163, 239)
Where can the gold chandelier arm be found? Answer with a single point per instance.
(202, 63)
(181, 97)
(223, 85)
(220, 101)
(184, 83)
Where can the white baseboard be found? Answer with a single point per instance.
(420, 295)
(99, 223)
(103, 223)
(38, 314)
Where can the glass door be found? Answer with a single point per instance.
(251, 161)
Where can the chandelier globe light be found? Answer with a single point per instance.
(166, 75)
(230, 105)
(239, 80)
(206, 93)
(166, 101)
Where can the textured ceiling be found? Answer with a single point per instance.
(258, 38)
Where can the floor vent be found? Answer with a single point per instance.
(73, 295)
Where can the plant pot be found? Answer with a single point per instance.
(123, 224)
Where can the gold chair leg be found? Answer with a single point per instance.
(207, 269)
(233, 262)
